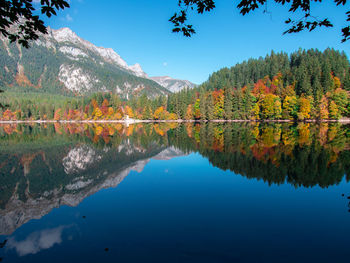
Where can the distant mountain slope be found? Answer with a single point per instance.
(173, 85)
(62, 62)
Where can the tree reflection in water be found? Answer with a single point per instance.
(48, 165)
(301, 154)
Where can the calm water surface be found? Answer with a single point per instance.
(175, 193)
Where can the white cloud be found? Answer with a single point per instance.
(37, 241)
(69, 18)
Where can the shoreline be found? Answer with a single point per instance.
(128, 122)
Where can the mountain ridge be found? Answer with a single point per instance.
(62, 62)
(173, 85)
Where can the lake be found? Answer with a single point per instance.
(169, 192)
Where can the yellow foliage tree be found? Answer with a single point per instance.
(129, 111)
(97, 113)
(173, 116)
(304, 108)
(271, 107)
(256, 111)
(336, 83)
(159, 114)
(118, 116)
(110, 112)
(304, 133)
(98, 130)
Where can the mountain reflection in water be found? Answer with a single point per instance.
(49, 165)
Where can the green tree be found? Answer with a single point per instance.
(228, 104)
(340, 97)
(203, 104)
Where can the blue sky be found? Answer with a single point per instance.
(139, 31)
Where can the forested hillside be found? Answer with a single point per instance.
(309, 70)
(305, 85)
(302, 86)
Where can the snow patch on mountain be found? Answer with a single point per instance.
(78, 185)
(75, 52)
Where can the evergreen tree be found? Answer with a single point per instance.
(228, 104)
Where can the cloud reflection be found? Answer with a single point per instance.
(37, 241)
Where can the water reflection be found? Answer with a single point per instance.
(46, 166)
(36, 241)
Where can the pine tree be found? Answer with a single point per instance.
(203, 106)
(228, 104)
(248, 102)
(326, 78)
(210, 106)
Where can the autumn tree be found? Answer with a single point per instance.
(160, 114)
(323, 108)
(189, 112)
(290, 108)
(304, 108)
(129, 111)
(218, 104)
(271, 107)
(196, 109)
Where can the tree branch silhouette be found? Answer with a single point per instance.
(19, 23)
(306, 22)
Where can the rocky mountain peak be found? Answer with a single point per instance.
(173, 85)
(138, 70)
(65, 34)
